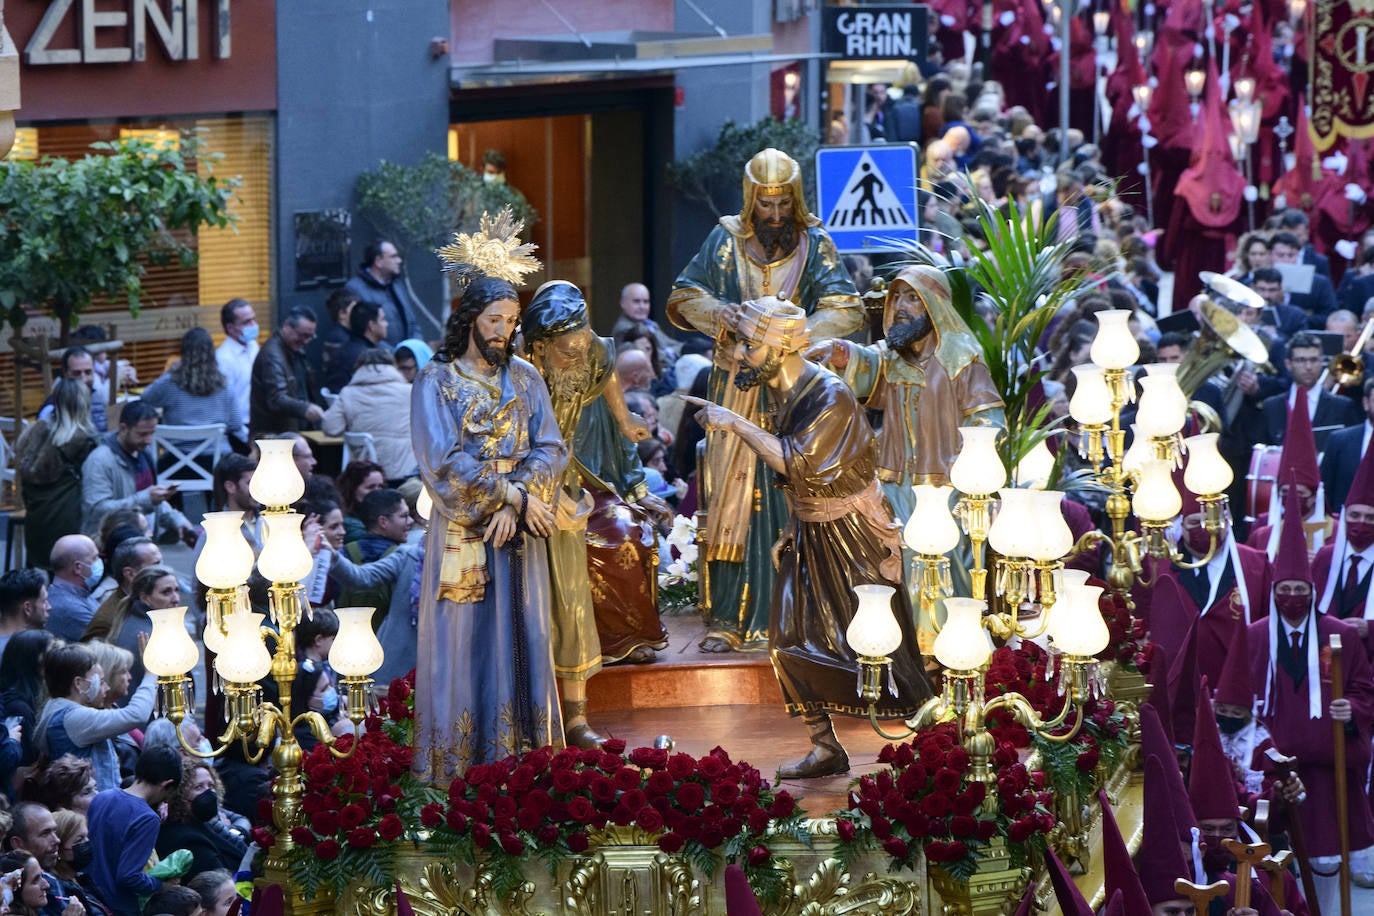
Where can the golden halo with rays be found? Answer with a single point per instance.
(494, 249)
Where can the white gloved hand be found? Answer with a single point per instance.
(1149, 10)
(1354, 192)
(1142, 169)
(1148, 141)
(1007, 18)
(1251, 193)
(1230, 22)
(1336, 163)
(1025, 39)
(1056, 44)
(1049, 29)
(1347, 249)
(1280, 202)
(1198, 50)
(947, 21)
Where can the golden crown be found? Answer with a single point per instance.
(494, 249)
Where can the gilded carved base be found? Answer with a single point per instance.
(629, 876)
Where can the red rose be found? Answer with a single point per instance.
(649, 819)
(935, 805)
(896, 847)
(724, 793)
(1087, 760)
(603, 789)
(580, 810)
(681, 766)
(712, 837)
(528, 819)
(521, 778)
(391, 827)
(957, 759)
(548, 834)
(325, 822)
(947, 781)
(539, 801)
(670, 843)
(916, 824)
(758, 821)
(759, 856)
(987, 829)
(565, 781)
(578, 842)
(626, 778)
(398, 691)
(302, 836)
(432, 815)
(457, 822)
(649, 758)
(846, 830)
(887, 754)
(512, 844)
(361, 838)
(1021, 830)
(327, 850)
(481, 835)
(691, 796)
(613, 746)
(956, 850)
(882, 827)
(351, 816)
(660, 782)
(784, 805)
(935, 850)
(504, 807)
(711, 767)
(963, 825)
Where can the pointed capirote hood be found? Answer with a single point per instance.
(1299, 453)
(1071, 902)
(1160, 861)
(1235, 685)
(1211, 780)
(1122, 881)
(1212, 186)
(1290, 562)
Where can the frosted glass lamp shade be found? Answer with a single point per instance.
(1207, 473)
(931, 530)
(226, 560)
(356, 651)
(1157, 499)
(1163, 406)
(1013, 530)
(1195, 80)
(1080, 630)
(1114, 347)
(1144, 92)
(170, 651)
(424, 503)
(1054, 537)
(1091, 404)
(284, 558)
(245, 659)
(1035, 468)
(1245, 89)
(978, 468)
(277, 481)
(1139, 452)
(874, 631)
(962, 645)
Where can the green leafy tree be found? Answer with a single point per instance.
(419, 207)
(73, 230)
(712, 177)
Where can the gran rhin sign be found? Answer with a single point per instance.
(875, 31)
(176, 23)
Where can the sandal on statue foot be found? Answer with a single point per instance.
(582, 736)
(715, 644)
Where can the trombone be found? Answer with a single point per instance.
(1346, 370)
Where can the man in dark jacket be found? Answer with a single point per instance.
(379, 282)
(367, 327)
(283, 384)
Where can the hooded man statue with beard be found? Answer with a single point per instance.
(841, 534)
(928, 378)
(622, 623)
(773, 247)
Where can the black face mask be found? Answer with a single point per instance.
(1229, 725)
(205, 806)
(82, 854)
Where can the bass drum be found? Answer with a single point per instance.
(1261, 481)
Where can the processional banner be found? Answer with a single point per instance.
(1342, 54)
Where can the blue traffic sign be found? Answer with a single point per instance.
(868, 194)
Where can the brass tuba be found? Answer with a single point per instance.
(1223, 338)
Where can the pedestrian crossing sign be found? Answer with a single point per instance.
(868, 195)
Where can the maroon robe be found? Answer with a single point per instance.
(1312, 741)
(1169, 611)
(1321, 568)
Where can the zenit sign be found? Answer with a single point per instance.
(111, 36)
(875, 32)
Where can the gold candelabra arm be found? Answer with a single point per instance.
(1086, 542)
(174, 690)
(975, 515)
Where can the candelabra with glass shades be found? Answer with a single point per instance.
(239, 638)
(1031, 540)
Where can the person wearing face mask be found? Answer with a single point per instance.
(1351, 556)
(928, 378)
(235, 356)
(70, 723)
(1215, 597)
(313, 690)
(192, 818)
(76, 570)
(74, 856)
(1242, 738)
(1292, 649)
(1299, 455)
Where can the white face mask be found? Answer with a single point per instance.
(249, 332)
(489, 178)
(92, 687)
